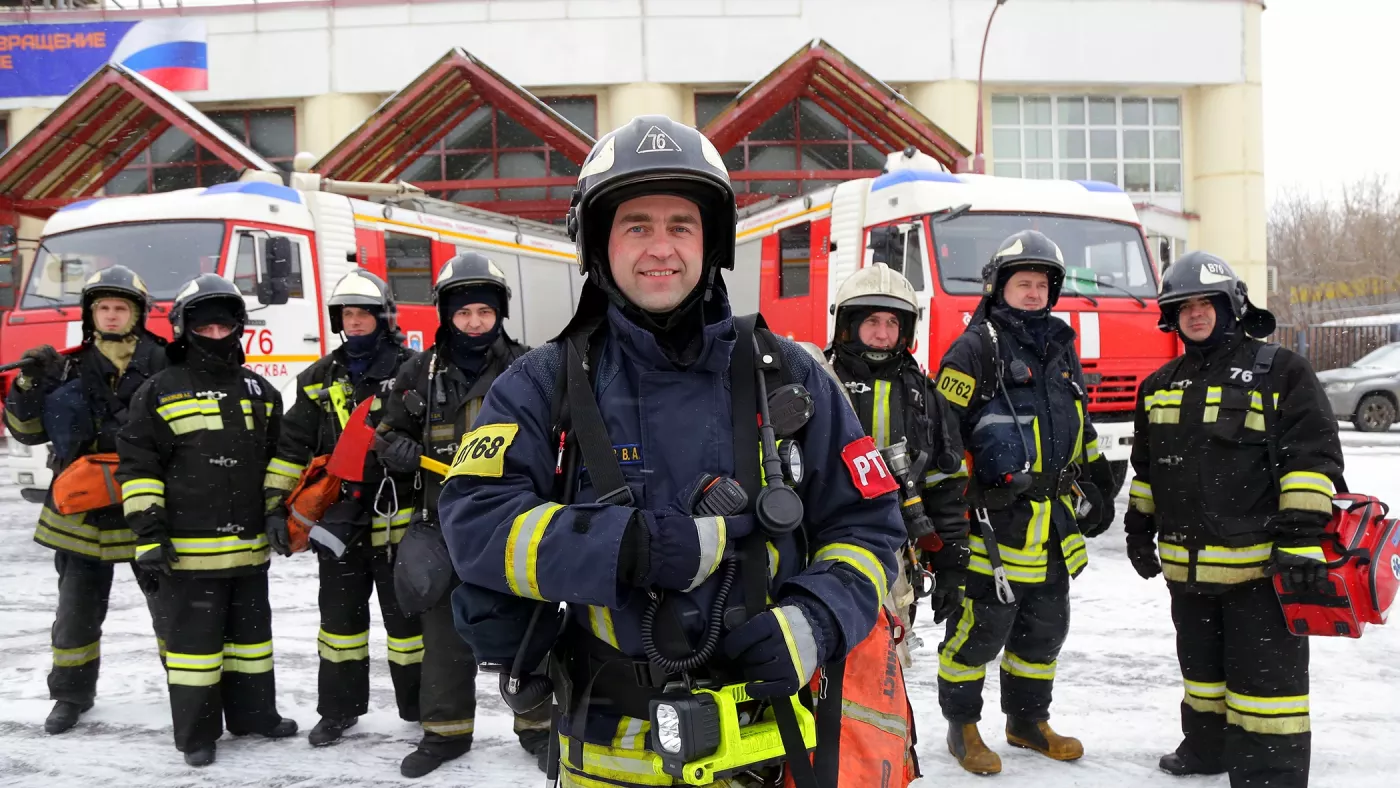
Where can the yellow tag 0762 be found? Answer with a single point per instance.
(483, 451)
(956, 386)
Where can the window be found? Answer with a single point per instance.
(408, 260)
(799, 139)
(173, 161)
(1132, 142)
(165, 254)
(489, 145)
(795, 260)
(245, 265)
(907, 254)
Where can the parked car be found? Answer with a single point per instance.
(1368, 392)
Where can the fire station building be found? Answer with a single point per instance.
(494, 103)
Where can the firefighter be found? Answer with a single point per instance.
(1235, 463)
(1033, 485)
(653, 220)
(876, 314)
(433, 403)
(193, 453)
(354, 539)
(78, 402)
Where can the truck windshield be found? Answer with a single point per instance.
(164, 254)
(1105, 259)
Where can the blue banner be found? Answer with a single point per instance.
(52, 60)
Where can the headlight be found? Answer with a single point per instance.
(1339, 386)
(668, 728)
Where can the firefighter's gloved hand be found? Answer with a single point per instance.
(949, 567)
(398, 453)
(156, 554)
(340, 527)
(778, 650)
(278, 535)
(1100, 515)
(1302, 566)
(41, 363)
(671, 550)
(1142, 552)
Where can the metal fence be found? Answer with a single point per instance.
(1329, 347)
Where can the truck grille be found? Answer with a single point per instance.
(1118, 392)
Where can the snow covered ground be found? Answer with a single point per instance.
(1118, 689)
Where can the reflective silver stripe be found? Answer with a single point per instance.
(327, 539)
(711, 532)
(802, 646)
(992, 419)
(889, 723)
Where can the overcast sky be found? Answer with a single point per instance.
(1331, 93)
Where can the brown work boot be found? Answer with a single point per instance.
(1039, 736)
(966, 744)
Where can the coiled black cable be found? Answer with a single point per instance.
(701, 656)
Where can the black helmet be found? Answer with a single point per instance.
(1025, 249)
(206, 287)
(464, 270)
(651, 154)
(363, 289)
(1203, 275)
(120, 282)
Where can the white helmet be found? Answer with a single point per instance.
(877, 286)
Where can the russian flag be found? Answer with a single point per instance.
(173, 53)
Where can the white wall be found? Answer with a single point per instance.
(539, 43)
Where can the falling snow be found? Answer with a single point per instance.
(1118, 689)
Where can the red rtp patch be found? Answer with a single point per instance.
(867, 467)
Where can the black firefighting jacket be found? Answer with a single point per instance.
(193, 454)
(1044, 415)
(1201, 458)
(896, 401)
(434, 404)
(325, 400)
(88, 402)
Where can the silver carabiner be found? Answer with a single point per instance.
(1004, 592)
(379, 496)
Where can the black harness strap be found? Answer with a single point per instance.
(591, 433)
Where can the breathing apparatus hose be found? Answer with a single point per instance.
(701, 656)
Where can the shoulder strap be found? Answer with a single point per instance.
(588, 428)
(990, 379)
(1263, 364)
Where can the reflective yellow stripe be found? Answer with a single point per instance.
(601, 623)
(1203, 705)
(1205, 697)
(1267, 706)
(1027, 558)
(1140, 489)
(1306, 501)
(140, 503)
(1278, 726)
(390, 530)
(193, 678)
(178, 409)
(406, 651)
(522, 549)
(275, 481)
(932, 479)
(339, 397)
(1165, 416)
(1314, 552)
(283, 468)
(631, 767)
(631, 734)
(76, 657)
(1079, 433)
(222, 552)
(248, 658)
(1307, 481)
(1027, 670)
(949, 669)
(449, 727)
(1018, 574)
(24, 427)
(880, 418)
(342, 648)
(892, 724)
(794, 653)
(1035, 445)
(859, 559)
(1076, 553)
(143, 486)
(1211, 554)
(1163, 398)
(193, 670)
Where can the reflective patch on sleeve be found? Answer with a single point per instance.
(957, 386)
(867, 468)
(483, 451)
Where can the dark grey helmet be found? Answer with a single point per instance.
(1203, 275)
(1025, 249)
(205, 287)
(464, 270)
(118, 281)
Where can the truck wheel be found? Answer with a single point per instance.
(1375, 413)
(1120, 475)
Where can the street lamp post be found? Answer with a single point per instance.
(979, 164)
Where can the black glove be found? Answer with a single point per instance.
(156, 554)
(339, 529)
(949, 567)
(1302, 567)
(777, 661)
(1100, 514)
(41, 362)
(1142, 552)
(278, 536)
(398, 454)
(682, 552)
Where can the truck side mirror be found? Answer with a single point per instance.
(880, 240)
(273, 285)
(1164, 252)
(11, 271)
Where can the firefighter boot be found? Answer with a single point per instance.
(285, 727)
(432, 754)
(1039, 736)
(965, 743)
(1184, 764)
(201, 756)
(537, 744)
(64, 716)
(329, 730)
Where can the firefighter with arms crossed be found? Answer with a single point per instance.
(1015, 383)
(653, 219)
(193, 453)
(353, 540)
(78, 403)
(876, 314)
(433, 402)
(1235, 459)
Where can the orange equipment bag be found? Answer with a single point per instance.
(865, 725)
(90, 482)
(316, 490)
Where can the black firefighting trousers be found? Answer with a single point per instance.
(449, 686)
(218, 656)
(1245, 708)
(343, 642)
(1031, 630)
(84, 586)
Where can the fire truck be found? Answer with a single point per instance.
(285, 246)
(939, 229)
